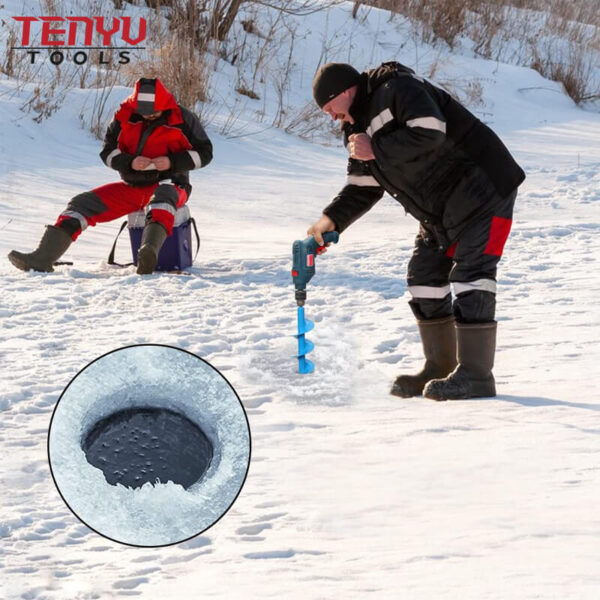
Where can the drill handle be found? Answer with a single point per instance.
(328, 238)
(331, 236)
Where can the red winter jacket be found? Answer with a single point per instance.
(177, 133)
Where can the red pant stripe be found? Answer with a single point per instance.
(498, 235)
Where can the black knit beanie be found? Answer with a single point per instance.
(331, 80)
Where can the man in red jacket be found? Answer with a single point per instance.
(153, 143)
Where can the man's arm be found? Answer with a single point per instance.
(201, 152)
(420, 126)
(359, 194)
(110, 154)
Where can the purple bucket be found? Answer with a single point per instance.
(176, 252)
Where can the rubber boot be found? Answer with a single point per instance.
(153, 237)
(52, 246)
(438, 337)
(473, 376)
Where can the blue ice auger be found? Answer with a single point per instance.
(304, 346)
(303, 269)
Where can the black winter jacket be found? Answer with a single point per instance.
(431, 154)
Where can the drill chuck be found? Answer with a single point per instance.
(300, 297)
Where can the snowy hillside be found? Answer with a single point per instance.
(351, 492)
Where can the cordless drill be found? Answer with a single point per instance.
(303, 266)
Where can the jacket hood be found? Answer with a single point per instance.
(386, 71)
(372, 79)
(164, 100)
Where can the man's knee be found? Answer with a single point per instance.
(87, 204)
(80, 209)
(165, 193)
(426, 308)
(475, 306)
(163, 206)
(430, 301)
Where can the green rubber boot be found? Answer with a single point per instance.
(473, 376)
(52, 246)
(153, 237)
(438, 337)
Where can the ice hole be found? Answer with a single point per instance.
(144, 444)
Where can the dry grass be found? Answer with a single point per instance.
(182, 69)
(182, 62)
(437, 19)
(312, 124)
(244, 91)
(558, 38)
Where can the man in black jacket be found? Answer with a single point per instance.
(411, 139)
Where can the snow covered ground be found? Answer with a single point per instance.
(350, 491)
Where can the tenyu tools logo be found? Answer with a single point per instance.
(61, 35)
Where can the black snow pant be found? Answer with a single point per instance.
(469, 264)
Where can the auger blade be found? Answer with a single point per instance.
(305, 327)
(305, 366)
(304, 346)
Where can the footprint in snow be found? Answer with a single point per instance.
(129, 584)
(253, 529)
(270, 554)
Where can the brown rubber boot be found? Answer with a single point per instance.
(153, 237)
(473, 377)
(52, 246)
(438, 337)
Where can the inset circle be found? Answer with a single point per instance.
(149, 445)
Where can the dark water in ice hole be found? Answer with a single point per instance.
(138, 445)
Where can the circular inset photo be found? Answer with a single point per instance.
(149, 445)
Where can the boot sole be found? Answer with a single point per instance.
(401, 393)
(481, 393)
(146, 261)
(412, 386)
(23, 265)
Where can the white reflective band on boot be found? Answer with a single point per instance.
(75, 215)
(114, 153)
(483, 285)
(162, 206)
(362, 180)
(429, 291)
(428, 123)
(377, 122)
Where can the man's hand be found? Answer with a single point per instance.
(139, 163)
(162, 163)
(359, 146)
(320, 227)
